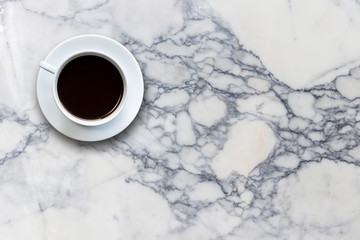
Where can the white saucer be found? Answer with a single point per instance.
(130, 68)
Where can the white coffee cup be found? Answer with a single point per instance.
(57, 71)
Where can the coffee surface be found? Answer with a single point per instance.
(90, 87)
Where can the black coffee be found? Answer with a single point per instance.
(90, 87)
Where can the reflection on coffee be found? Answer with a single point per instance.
(90, 87)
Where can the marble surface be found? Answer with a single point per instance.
(249, 127)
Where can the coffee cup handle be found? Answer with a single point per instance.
(48, 67)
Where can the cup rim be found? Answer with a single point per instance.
(82, 121)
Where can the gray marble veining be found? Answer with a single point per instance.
(233, 141)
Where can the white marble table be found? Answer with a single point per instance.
(249, 127)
